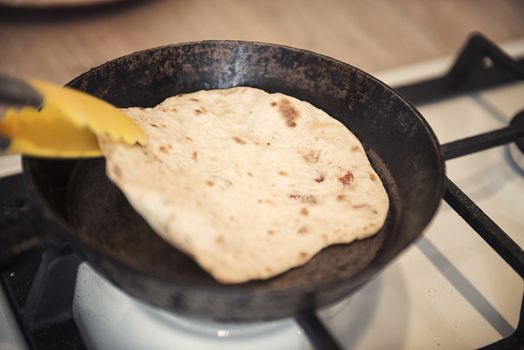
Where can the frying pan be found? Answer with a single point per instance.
(76, 201)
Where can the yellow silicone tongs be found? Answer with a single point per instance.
(47, 120)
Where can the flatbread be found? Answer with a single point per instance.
(250, 184)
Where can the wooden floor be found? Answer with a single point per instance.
(373, 35)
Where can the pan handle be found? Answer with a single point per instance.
(17, 233)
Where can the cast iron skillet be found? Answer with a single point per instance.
(77, 199)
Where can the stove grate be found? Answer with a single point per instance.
(480, 65)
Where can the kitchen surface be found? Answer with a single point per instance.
(459, 286)
(59, 43)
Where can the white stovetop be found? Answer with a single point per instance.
(449, 290)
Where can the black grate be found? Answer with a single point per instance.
(480, 65)
(485, 227)
(40, 284)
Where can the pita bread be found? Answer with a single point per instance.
(250, 184)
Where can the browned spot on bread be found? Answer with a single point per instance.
(188, 138)
(303, 255)
(372, 177)
(320, 179)
(302, 230)
(239, 140)
(195, 99)
(347, 178)
(209, 183)
(288, 112)
(165, 148)
(157, 159)
(282, 173)
(358, 206)
(312, 156)
(273, 104)
(374, 211)
(270, 232)
(249, 173)
(117, 171)
(304, 198)
(268, 270)
(354, 148)
(219, 239)
(304, 211)
(194, 156)
(341, 197)
(231, 218)
(153, 125)
(269, 143)
(199, 111)
(267, 201)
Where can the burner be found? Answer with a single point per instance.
(106, 315)
(516, 149)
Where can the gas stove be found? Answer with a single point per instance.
(459, 286)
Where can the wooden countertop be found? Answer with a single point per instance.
(59, 44)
